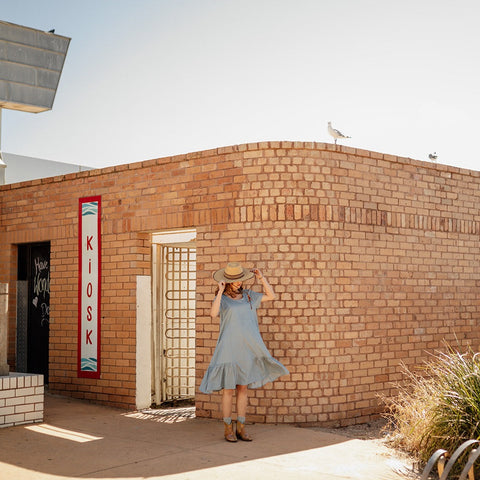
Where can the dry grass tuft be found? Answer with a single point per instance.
(438, 407)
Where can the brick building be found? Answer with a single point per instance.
(374, 259)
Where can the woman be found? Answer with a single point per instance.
(241, 359)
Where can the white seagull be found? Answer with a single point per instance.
(335, 133)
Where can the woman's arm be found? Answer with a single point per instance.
(216, 303)
(267, 288)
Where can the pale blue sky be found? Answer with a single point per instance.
(152, 78)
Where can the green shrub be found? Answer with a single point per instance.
(439, 408)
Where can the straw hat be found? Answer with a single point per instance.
(234, 272)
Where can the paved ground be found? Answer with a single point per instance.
(81, 440)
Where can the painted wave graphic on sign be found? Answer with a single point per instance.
(89, 208)
(88, 365)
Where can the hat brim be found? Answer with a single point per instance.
(219, 276)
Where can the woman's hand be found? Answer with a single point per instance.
(258, 273)
(221, 287)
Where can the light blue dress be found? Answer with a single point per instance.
(240, 357)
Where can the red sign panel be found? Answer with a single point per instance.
(89, 287)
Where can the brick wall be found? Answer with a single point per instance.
(373, 259)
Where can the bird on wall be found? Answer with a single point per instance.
(433, 156)
(336, 134)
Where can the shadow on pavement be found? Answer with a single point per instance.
(82, 440)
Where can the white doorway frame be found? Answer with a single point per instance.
(169, 370)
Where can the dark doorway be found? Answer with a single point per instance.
(34, 273)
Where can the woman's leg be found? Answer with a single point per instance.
(227, 396)
(242, 400)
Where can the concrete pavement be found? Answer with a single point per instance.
(82, 440)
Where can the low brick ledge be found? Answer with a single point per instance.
(21, 399)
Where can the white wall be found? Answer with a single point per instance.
(20, 168)
(144, 343)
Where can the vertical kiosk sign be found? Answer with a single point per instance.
(89, 246)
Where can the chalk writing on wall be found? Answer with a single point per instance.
(41, 289)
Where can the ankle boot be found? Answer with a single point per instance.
(229, 433)
(241, 433)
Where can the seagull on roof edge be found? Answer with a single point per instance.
(336, 134)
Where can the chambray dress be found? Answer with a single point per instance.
(240, 357)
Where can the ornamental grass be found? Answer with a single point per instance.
(438, 407)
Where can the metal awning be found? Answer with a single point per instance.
(31, 62)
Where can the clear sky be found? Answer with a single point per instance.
(151, 78)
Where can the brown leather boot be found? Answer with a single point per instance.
(229, 433)
(241, 433)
